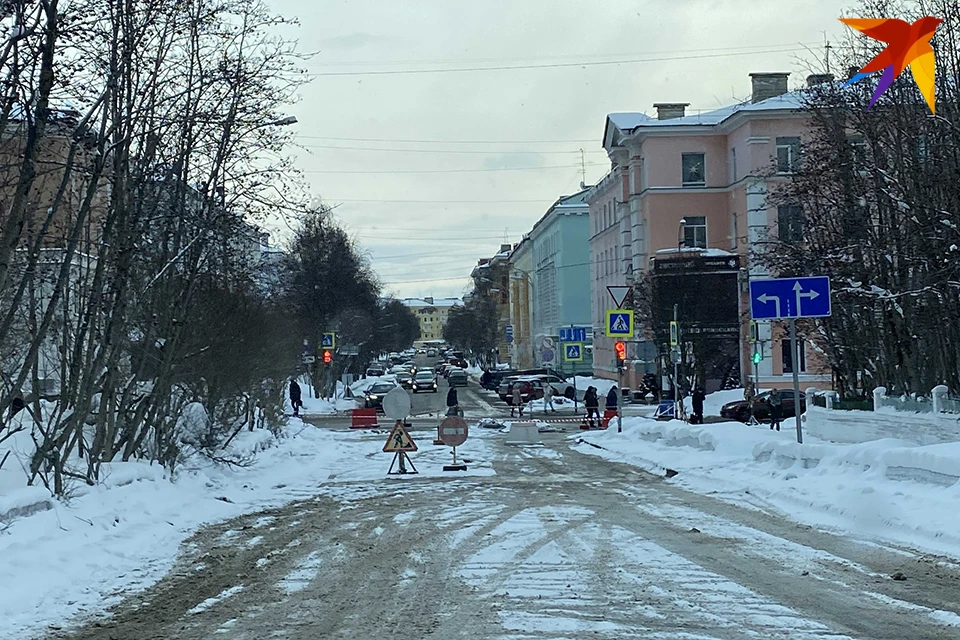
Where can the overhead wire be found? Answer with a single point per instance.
(484, 170)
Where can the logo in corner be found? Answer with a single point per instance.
(907, 44)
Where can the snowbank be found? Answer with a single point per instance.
(862, 426)
(602, 384)
(888, 489)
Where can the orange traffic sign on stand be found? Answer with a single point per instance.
(399, 440)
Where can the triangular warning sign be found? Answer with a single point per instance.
(620, 325)
(399, 440)
(619, 294)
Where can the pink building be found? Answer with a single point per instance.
(699, 180)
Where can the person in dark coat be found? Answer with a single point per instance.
(485, 378)
(612, 399)
(453, 403)
(592, 402)
(295, 400)
(698, 397)
(776, 409)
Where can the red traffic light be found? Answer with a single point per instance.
(621, 348)
(327, 357)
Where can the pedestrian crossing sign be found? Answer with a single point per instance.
(573, 352)
(619, 323)
(329, 340)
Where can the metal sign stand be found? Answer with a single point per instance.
(400, 456)
(456, 466)
(796, 377)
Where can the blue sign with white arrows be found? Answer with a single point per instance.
(780, 298)
(573, 334)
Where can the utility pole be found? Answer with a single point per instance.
(583, 171)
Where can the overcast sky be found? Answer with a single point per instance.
(494, 148)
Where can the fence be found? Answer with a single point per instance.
(937, 402)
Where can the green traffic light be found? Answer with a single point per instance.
(757, 358)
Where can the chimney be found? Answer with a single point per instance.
(670, 110)
(768, 85)
(505, 247)
(819, 78)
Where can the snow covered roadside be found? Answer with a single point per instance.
(885, 490)
(124, 535)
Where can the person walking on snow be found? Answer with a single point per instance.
(517, 400)
(698, 397)
(592, 402)
(612, 399)
(295, 400)
(548, 398)
(453, 403)
(776, 409)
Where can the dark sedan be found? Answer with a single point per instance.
(373, 398)
(457, 378)
(425, 381)
(405, 379)
(740, 409)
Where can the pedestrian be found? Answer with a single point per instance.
(592, 402)
(517, 400)
(485, 379)
(613, 398)
(453, 403)
(295, 400)
(776, 409)
(548, 398)
(698, 397)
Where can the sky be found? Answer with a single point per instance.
(432, 164)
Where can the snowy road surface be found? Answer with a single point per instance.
(555, 545)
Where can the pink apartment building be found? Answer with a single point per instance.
(711, 171)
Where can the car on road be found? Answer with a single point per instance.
(373, 398)
(739, 410)
(425, 381)
(431, 353)
(405, 379)
(376, 372)
(457, 378)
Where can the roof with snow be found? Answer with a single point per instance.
(704, 253)
(437, 302)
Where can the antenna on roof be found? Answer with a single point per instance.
(826, 52)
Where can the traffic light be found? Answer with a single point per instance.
(327, 357)
(621, 348)
(757, 355)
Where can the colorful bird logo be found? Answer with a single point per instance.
(909, 44)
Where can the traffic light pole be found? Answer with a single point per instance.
(795, 362)
(676, 371)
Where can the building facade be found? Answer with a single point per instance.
(522, 354)
(491, 279)
(699, 183)
(561, 280)
(432, 315)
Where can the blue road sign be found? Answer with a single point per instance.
(546, 355)
(509, 333)
(619, 323)
(329, 341)
(573, 334)
(573, 352)
(778, 298)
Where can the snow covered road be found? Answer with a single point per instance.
(555, 545)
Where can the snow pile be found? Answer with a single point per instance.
(862, 426)
(887, 489)
(602, 384)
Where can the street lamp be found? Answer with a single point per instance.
(282, 122)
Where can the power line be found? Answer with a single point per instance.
(581, 56)
(486, 170)
(567, 141)
(348, 200)
(555, 65)
(456, 151)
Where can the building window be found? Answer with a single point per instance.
(790, 223)
(695, 232)
(694, 170)
(788, 155)
(787, 354)
(733, 166)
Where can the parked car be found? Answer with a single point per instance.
(425, 381)
(457, 378)
(531, 387)
(373, 398)
(376, 372)
(739, 410)
(405, 379)
(497, 376)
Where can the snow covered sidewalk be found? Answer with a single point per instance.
(891, 490)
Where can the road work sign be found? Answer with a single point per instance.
(399, 440)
